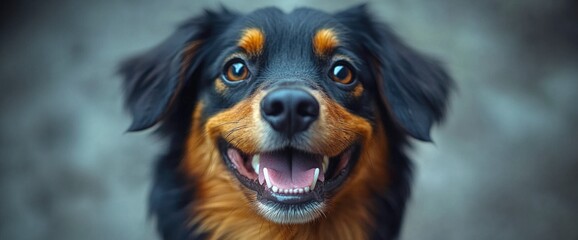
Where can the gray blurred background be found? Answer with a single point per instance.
(504, 166)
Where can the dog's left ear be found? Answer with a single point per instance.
(412, 86)
(154, 80)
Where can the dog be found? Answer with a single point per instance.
(283, 125)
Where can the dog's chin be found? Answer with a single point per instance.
(291, 185)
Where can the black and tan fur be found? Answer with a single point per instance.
(179, 85)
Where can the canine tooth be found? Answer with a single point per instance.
(315, 178)
(275, 189)
(300, 190)
(267, 179)
(325, 163)
(255, 163)
(306, 189)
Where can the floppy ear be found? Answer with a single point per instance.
(154, 79)
(412, 86)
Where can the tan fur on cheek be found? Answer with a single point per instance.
(220, 87)
(240, 125)
(357, 91)
(337, 128)
(369, 176)
(220, 206)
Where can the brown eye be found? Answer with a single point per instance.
(341, 73)
(236, 70)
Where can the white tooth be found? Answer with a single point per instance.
(306, 189)
(300, 190)
(325, 163)
(286, 191)
(291, 191)
(255, 163)
(267, 179)
(275, 189)
(314, 179)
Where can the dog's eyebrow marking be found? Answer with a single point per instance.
(252, 41)
(324, 41)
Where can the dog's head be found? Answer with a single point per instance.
(287, 111)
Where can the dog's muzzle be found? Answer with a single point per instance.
(291, 177)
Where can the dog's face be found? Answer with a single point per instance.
(286, 108)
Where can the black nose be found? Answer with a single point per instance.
(289, 111)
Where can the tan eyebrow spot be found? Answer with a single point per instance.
(324, 41)
(252, 41)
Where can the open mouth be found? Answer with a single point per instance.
(288, 177)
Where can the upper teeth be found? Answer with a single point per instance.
(267, 178)
(255, 163)
(315, 176)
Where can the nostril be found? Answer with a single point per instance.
(272, 107)
(307, 109)
(276, 108)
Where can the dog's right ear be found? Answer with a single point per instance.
(154, 79)
(413, 87)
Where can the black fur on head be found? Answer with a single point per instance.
(413, 86)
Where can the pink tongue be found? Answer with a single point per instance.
(290, 169)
